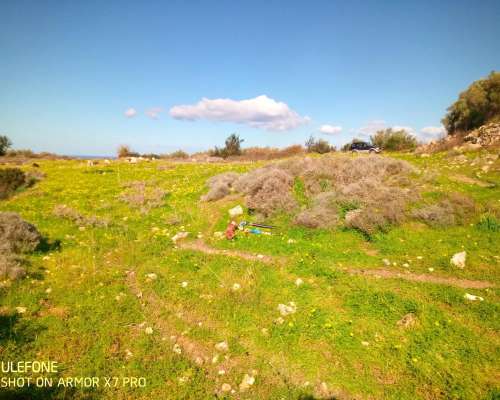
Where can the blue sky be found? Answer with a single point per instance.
(70, 71)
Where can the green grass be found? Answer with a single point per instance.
(344, 332)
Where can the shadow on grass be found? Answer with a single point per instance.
(17, 330)
(52, 393)
(46, 245)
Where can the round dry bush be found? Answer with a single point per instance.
(17, 235)
(220, 186)
(322, 214)
(268, 191)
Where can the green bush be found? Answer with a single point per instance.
(476, 106)
(232, 147)
(5, 144)
(320, 146)
(389, 139)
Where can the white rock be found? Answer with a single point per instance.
(149, 330)
(299, 282)
(177, 349)
(286, 309)
(458, 260)
(179, 235)
(247, 381)
(472, 297)
(151, 276)
(21, 310)
(234, 212)
(431, 269)
(222, 346)
(184, 284)
(226, 387)
(386, 262)
(236, 287)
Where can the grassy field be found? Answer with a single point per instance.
(122, 300)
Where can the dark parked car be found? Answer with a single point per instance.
(363, 147)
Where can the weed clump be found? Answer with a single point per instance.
(141, 195)
(65, 212)
(455, 209)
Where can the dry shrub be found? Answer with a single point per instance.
(267, 190)
(63, 211)
(220, 186)
(366, 220)
(323, 213)
(10, 267)
(456, 209)
(141, 195)
(376, 186)
(270, 153)
(11, 179)
(17, 235)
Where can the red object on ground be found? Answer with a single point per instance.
(231, 230)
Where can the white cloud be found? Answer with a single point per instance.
(371, 127)
(433, 130)
(154, 112)
(330, 129)
(408, 129)
(259, 112)
(131, 112)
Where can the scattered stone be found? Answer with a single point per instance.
(279, 321)
(149, 330)
(236, 287)
(236, 211)
(286, 309)
(365, 343)
(386, 262)
(406, 265)
(430, 269)
(177, 349)
(458, 259)
(246, 383)
(260, 256)
(222, 347)
(407, 321)
(291, 241)
(226, 387)
(218, 235)
(21, 310)
(152, 276)
(179, 236)
(184, 284)
(472, 297)
(299, 282)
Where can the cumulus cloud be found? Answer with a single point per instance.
(330, 129)
(408, 129)
(154, 112)
(433, 130)
(131, 112)
(259, 112)
(371, 127)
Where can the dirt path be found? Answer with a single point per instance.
(410, 276)
(471, 181)
(200, 245)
